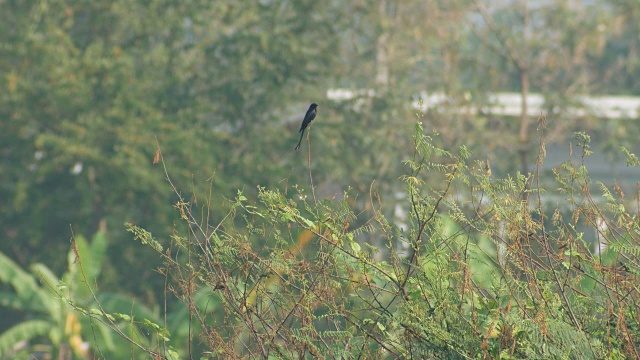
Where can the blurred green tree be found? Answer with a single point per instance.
(536, 47)
(92, 85)
(222, 87)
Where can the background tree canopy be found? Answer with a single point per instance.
(90, 89)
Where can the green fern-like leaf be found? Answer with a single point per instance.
(625, 248)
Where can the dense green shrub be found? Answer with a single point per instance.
(481, 269)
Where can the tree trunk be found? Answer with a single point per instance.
(523, 135)
(382, 52)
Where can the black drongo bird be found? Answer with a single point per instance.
(308, 117)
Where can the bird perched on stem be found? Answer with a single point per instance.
(308, 117)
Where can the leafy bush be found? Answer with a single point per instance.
(480, 269)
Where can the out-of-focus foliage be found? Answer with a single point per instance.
(619, 64)
(88, 90)
(91, 86)
(53, 324)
